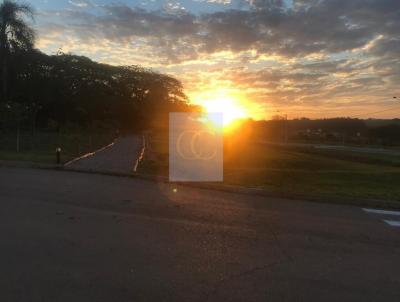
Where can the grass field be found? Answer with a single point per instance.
(292, 171)
(42, 146)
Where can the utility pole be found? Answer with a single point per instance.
(286, 128)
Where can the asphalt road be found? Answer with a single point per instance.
(120, 156)
(370, 150)
(70, 236)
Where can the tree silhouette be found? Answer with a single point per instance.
(15, 35)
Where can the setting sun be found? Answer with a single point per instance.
(230, 107)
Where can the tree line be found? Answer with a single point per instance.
(67, 89)
(339, 130)
(56, 91)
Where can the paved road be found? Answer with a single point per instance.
(369, 150)
(70, 236)
(118, 157)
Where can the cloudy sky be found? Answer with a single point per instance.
(313, 58)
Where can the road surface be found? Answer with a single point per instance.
(70, 236)
(368, 150)
(119, 157)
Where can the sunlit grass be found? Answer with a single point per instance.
(294, 171)
(41, 147)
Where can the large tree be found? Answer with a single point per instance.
(70, 89)
(15, 35)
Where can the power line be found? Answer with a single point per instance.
(380, 111)
(369, 113)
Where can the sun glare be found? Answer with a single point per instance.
(230, 107)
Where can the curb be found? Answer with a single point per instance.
(342, 200)
(28, 164)
(376, 203)
(89, 154)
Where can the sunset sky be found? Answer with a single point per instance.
(303, 58)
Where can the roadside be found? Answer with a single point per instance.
(250, 191)
(265, 171)
(376, 155)
(40, 147)
(322, 175)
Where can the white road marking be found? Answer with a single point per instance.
(383, 212)
(89, 154)
(392, 223)
(141, 155)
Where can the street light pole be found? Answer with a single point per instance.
(285, 126)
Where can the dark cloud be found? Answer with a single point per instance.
(309, 27)
(387, 47)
